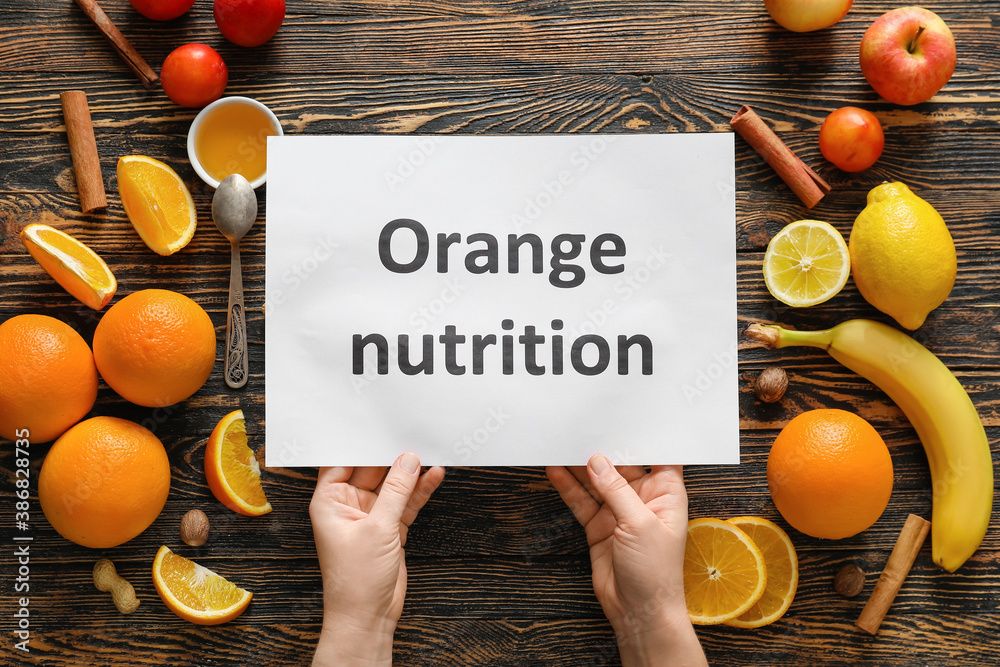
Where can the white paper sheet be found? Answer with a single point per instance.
(552, 387)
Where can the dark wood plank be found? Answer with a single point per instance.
(664, 39)
(576, 103)
(547, 102)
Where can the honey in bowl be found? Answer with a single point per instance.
(228, 137)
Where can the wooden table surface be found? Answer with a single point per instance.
(499, 573)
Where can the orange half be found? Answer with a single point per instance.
(77, 268)
(231, 469)
(195, 593)
(724, 572)
(782, 572)
(157, 202)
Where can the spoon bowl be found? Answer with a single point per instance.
(234, 207)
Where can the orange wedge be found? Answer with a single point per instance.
(782, 572)
(195, 593)
(231, 468)
(157, 203)
(77, 268)
(724, 572)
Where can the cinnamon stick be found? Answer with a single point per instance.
(803, 181)
(908, 544)
(124, 48)
(83, 148)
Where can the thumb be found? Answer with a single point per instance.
(397, 488)
(624, 502)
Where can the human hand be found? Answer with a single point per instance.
(636, 526)
(360, 519)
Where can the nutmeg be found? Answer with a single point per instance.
(849, 580)
(194, 528)
(771, 384)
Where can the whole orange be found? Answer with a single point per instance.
(155, 347)
(48, 380)
(104, 482)
(830, 473)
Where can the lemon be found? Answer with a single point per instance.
(902, 255)
(806, 263)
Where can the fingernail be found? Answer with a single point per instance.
(599, 463)
(409, 462)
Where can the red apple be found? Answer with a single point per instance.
(194, 75)
(249, 22)
(807, 15)
(908, 54)
(161, 10)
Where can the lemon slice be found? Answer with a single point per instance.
(231, 468)
(157, 202)
(806, 263)
(724, 572)
(77, 268)
(194, 592)
(782, 571)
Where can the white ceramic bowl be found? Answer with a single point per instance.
(196, 126)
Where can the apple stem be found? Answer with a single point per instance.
(911, 47)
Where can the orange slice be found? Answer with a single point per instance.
(782, 572)
(195, 593)
(724, 573)
(157, 203)
(231, 468)
(77, 268)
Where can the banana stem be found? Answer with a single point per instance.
(772, 336)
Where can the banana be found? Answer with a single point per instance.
(940, 411)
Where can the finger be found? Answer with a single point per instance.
(674, 475)
(367, 479)
(580, 473)
(618, 495)
(326, 481)
(667, 480)
(577, 498)
(631, 473)
(397, 488)
(333, 475)
(378, 488)
(601, 527)
(426, 485)
(325, 496)
(665, 493)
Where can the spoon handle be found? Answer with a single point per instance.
(236, 371)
